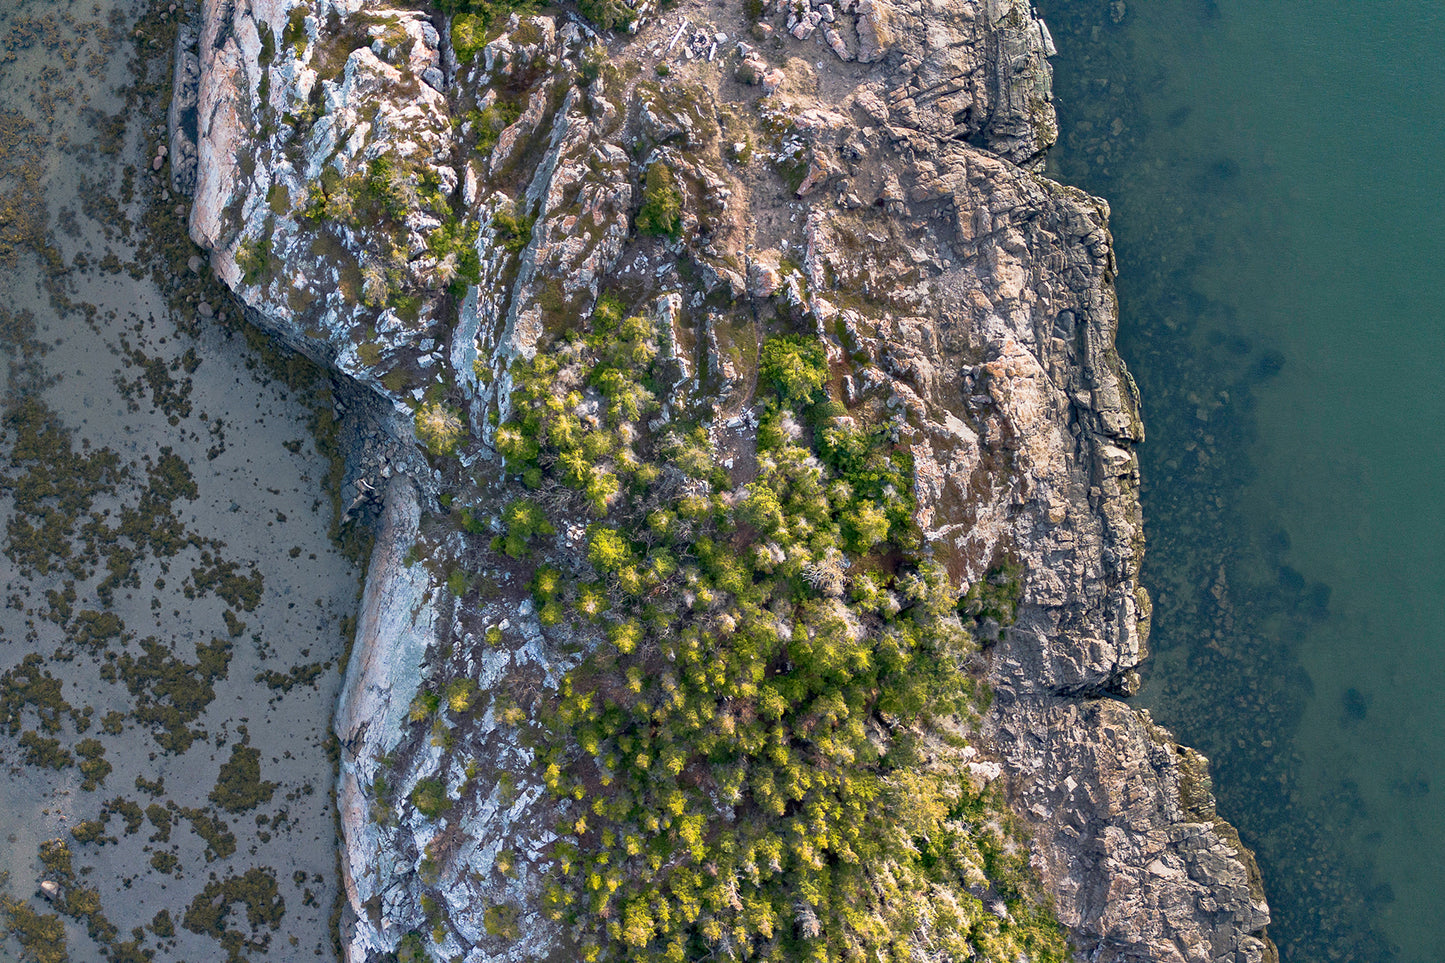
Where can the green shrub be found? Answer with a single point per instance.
(661, 211)
(454, 245)
(93, 765)
(490, 121)
(524, 520)
(430, 798)
(469, 36)
(502, 921)
(461, 695)
(797, 367)
(253, 257)
(412, 949)
(423, 706)
(439, 428)
(607, 14)
(996, 595)
(546, 583)
(88, 831)
(239, 786)
(514, 230)
(607, 550)
(294, 33)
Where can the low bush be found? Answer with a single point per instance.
(661, 211)
(439, 428)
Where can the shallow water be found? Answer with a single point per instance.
(1272, 171)
(153, 467)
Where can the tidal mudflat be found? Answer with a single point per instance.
(175, 610)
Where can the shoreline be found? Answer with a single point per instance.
(166, 700)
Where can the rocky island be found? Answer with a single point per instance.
(758, 537)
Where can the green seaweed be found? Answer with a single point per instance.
(209, 913)
(170, 693)
(239, 786)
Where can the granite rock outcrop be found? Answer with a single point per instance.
(418, 209)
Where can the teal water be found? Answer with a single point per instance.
(1274, 172)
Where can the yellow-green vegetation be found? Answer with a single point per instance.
(93, 766)
(213, 831)
(764, 759)
(169, 693)
(77, 901)
(661, 211)
(370, 353)
(305, 674)
(254, 258)
(44, 752)
(996, 596)
(439, 428)
(461, 695)
(525, 520)
(430, 798)
(30, 686)
(209, 913)
(162, 926)
(294, 33)
(424, 705)
(502, 920)
(796, 366)
(514, 229)
(489, 122)
(607, 14)
(475, 23)
(129, 811)
(239, 786)
(53, 487)
(374, 201)
(41, 935)
(89, 831)
(383, 190)
(454, 245)
(412, 949)
(23, 213)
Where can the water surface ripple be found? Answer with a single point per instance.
(1272, 167)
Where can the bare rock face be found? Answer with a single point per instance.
(419, 206)
(967, 71)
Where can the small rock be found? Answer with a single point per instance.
(195, 263)
(751, 71)
(50, 889)
(205, 310)
(157, 162)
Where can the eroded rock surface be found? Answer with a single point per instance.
(419, 216)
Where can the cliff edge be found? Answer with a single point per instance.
(467, 213)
